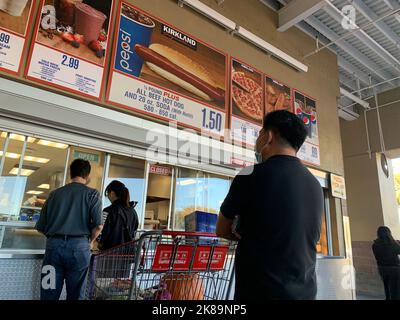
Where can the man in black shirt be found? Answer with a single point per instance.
(71, 221)
(279, 206)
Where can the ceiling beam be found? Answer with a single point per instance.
(380, 25)
(296, 11)
(348, 48)
(392, 4)
(336, 14)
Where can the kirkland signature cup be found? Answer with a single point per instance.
(135, 28)
(13, 7)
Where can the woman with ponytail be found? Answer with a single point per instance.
(122, 220)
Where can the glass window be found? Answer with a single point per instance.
(12, 180)
(322, 245)
(96, 159)
(30, 173)
(48, 160)
(130, 172)
(196, 190)
(158, 198)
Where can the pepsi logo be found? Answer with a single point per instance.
(298, 111)
(306, 121)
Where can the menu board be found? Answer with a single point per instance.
(163, 72)
(70, 46)
(15, 16)
(306, 109)
(278, 96)
(247, 102)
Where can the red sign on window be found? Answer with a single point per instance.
(164, 171)
(164, 254)
(202, 258)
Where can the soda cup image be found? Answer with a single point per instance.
(314, 124)
(307, 121)
(135, 28)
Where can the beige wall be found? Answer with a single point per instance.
(371, 196)
(363, 197)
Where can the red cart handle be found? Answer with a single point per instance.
(187, 233)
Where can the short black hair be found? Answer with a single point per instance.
(290, 129)
(79, 168)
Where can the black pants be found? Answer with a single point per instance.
(391, 280)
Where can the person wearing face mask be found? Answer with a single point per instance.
(71, 221)
(279, 204)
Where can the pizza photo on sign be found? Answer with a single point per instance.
(76, 27)
(247, 92)
(14, 15)
(160, 54)
(277, 96)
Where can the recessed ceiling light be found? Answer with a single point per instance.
(187, 182)
(24, 172)
(52, 144)
(18, 137)
(36, 159)
(44, 186)
(11, 155)
(34, 192)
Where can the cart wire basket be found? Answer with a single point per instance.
(164, 265)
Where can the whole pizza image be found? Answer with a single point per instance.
(77, 27)
(247, 92)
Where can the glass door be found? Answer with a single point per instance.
(130, 172)
(159, 197)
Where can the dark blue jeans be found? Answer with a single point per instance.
(65, 260)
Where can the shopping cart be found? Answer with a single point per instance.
(164, 265)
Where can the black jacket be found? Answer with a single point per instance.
(386, 253)
(120, 225)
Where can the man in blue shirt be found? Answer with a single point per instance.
(71, 221)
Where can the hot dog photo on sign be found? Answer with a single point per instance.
(246, 92)
(158, 53)
(277, 96)
(76, 27)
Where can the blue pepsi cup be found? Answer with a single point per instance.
(132, 32)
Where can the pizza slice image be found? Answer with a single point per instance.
(249, 101)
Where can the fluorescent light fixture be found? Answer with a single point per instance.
(187, 182)
(52, 144)
(34, 192)
(356, 99)
(24, 172)
(348, 115)
(18, 137)
(44, 186)
(277, 53)
(210, 13)
(36, 159)
(11, 155)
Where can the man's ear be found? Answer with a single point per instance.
(269, 136)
